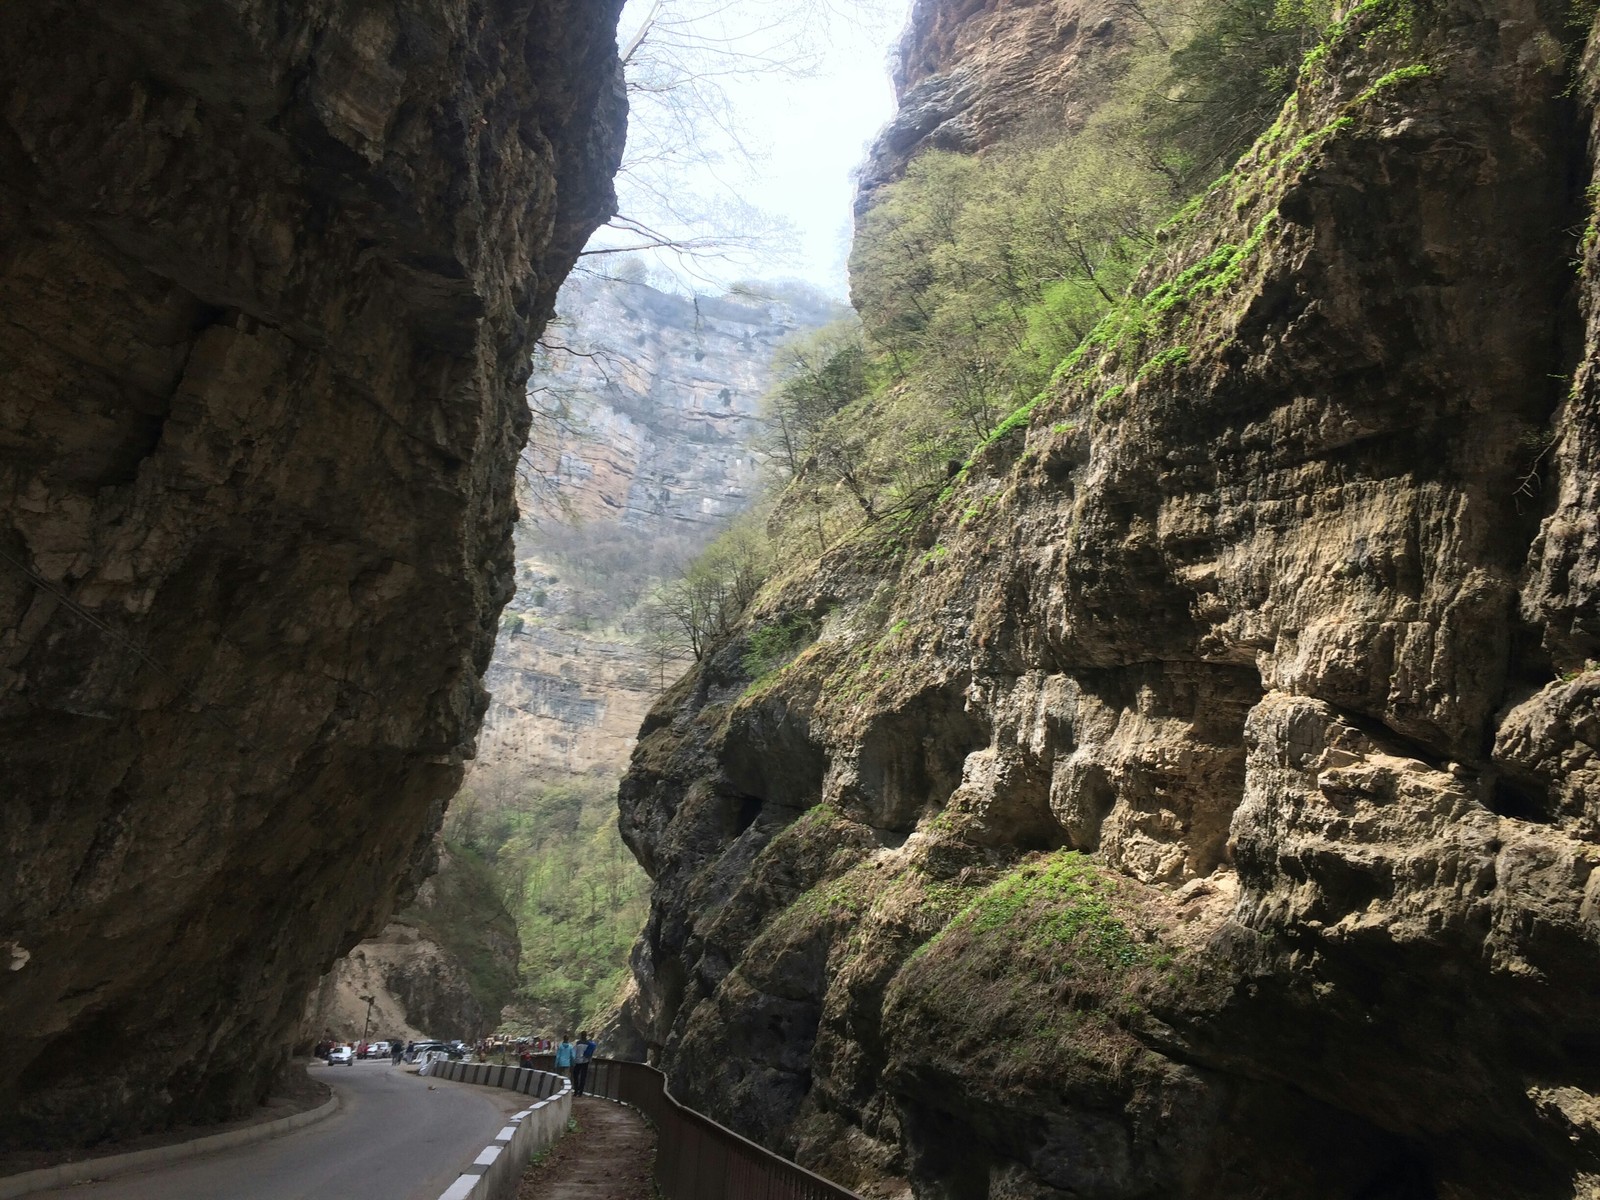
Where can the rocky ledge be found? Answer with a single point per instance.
(270, 271)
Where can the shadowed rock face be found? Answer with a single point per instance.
(1214, 814)
(269, 273)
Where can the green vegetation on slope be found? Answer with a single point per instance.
(986, 284)
(465, 915)
(578, 896)
(1050, 961)
(979, 280)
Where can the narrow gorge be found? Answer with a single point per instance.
(1114, 714)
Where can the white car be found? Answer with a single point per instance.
(342, 1054)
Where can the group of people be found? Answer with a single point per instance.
(572, 1059)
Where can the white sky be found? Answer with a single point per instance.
(805, 132)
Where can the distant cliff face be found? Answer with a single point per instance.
(1206, 804)
(972, 73)
(270, 272)
(642, 451)
(654, 452)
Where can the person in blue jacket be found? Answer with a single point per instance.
(580, 1070)
(566, 1054)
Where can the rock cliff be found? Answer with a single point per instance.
(654, 452)
(1205, 805)
(968, 74)
(270, 272)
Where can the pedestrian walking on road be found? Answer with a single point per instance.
(580, 1068)
(566, 1055)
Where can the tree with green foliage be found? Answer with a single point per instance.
(976, 275)
(707, 598)
(1206, 80)
(578, 897)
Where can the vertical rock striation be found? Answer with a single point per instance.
(270, 273)
(1206, 805)
(655, 454)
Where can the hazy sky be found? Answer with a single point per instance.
(804, 93)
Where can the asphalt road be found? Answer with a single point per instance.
(393, 1138)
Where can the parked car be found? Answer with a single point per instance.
(418, 1049)
(342, 1054)
(378, 1050)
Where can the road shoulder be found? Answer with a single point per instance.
(294, 1108)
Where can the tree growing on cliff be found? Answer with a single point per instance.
(818, 375)
(975, 277)
(707, 598)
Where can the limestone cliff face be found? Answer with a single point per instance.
(270, 274)
(1206, 806)
(971, 73)
(654, 453)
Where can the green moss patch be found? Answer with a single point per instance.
(1051, 963)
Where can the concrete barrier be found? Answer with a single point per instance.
(494, 1174)
(112, 1165)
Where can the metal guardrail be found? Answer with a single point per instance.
(696, 1158)
(496, 1173)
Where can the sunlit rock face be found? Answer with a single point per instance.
(270, 273)
(656, 449)
(969, 74)
(1205, 804)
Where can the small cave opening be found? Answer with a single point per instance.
(746, 810)
(1519, 801)
(1406, 1176)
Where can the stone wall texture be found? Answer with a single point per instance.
(1206, 806)
(270, 274)
(971, 73)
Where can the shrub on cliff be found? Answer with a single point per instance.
(707, 598)
(974, 276)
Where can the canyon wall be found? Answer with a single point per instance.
(654, 451)
(1204, 802)
(271, 273)
(968, 75)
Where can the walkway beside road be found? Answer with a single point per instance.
(607, 1158)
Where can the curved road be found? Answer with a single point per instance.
(395, 1136)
